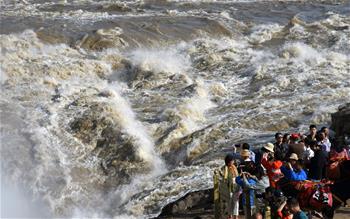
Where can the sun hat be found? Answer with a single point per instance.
(293, 156)
(269, 147)
(245, 153)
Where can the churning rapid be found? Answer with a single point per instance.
(114, 109)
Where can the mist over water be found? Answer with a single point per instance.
(114, 109)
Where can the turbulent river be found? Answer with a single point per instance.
(115, 108)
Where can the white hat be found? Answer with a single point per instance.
(293, 156)
(269, 147)
(245, 153)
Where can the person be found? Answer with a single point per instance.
(317, 163)
(324, 142)
(295, 173)
(245, 155)
(246, 146)
(248, 192)
(268, 148)
(286, 140)
(280, 149)
(262, 183)
(327, 134)
(272, 167)
(283, 212)
(275, 198)
(312, 134)
(295, 146)
(236, 152)
(308, 153)
(294, 207)
(229, 173)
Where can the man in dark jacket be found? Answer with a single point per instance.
(317, 163)
(280, 149)
(312, 135)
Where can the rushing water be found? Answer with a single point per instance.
(114, 109)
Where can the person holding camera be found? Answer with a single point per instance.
(262, 182)
(271, 165)
(293, 170)
(283, 212)
(248, 195)
(228, 189)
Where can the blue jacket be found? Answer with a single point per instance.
(292, 175)
(251, 182)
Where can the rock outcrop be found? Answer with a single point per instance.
(199, 203)
(341, 123)
(100, 126)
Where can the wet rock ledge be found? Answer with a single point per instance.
(197, 204)
(341, 123)
(200, 204)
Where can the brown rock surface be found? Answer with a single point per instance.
(341, 121)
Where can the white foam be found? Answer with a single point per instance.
(3, 76)
(133, 127)
(263, 33)
(160, 60)
(300, 52)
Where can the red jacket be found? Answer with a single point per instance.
(273, 170)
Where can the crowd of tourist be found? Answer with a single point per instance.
(279, 175)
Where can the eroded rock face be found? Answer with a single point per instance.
(189, 205)
(341, 122)
(99, 127)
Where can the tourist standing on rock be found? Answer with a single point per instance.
(280, 149)
(248, 199)
(324, 143)
(283, 212)
(296, 172)
(268, 148)
(326, 132)
(272, 166)
(286, 140)
(317, 163)
(246, 146)
(308, 152)
(262, 183)
(229, 181)
(236, 152)
(312, 134)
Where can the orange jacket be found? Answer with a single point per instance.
(273, 170)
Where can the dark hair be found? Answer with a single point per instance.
(278, 193)
(249, 166)
(270, 189)
(300, 163)
(259, 172)
(287, 135)
(313, 143)
(323, 128)
(278, 134)
(312, 126)
(293, 202)
(318, 136)
(228, 158)
(245, 146)
(270, 157)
